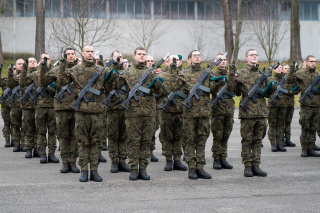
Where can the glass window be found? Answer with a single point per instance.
(67, 8)
(29, 8)
(306, 11)
(165, 10)
(190, 10)
(138, 9)
(121, 9)
(314, 11)
(182, 10)
(8, 8)
(217, 11)
(174, 10)
(201, 13)
(301, 11)
(130, 9)
(20, 8)
(209, 11)
(146, 7)
(157, 9)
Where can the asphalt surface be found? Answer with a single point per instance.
(292, 184)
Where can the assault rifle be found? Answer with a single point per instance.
(198, 85)
(6, 94)
(137, 86)
(311, 90)
(253, 93)
(29, 92)
(88, 86)
(108, 99)
(279, 91)
(66, 88)
(15, 91)
(220, 95)
(40, 90)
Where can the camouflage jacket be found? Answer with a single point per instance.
(242, 83)
(12, 82)
(187, 79)
(80, 76)
(3, 85)
(52, 77)
(28, 104)
(34, 77)
(226, 108)
(171, 78)
(303, 79)
(146, 105)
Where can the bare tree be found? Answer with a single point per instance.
(1, 52)
(237, 32)
(295, 48)
(40, 30)
(83, 22)
(268, 26)
(228, 31)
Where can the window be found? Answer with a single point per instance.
(20, 8)
(190, 10)
(182, 10)
(174, 8)
(308, 11)
(217, 11)
(30, 10)
(7, 8)
(201, 13)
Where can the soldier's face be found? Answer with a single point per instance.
(278, 70)
(32, 63)
(19, 64)
(125, 63)
(119, 56)
(311, 63)
(71, 56)
(223, 63)
(88, 53)
(196, 57)
(140, 56)
(252, 57)
(48, 59)
(150, 61)
(285, 69)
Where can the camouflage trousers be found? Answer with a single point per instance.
(139, 134)
(29, 129)
(105, 131)
(89, 133)
(6, 130)
(252, 132)
(195, 134)
(46, 122)
(288, 120)
(221, 128)
(153, 142)
(309, 121)
(117, 135)
(15, 119)
(171, 125)
(276, 121)
(65, 120)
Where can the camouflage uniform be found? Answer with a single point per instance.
(44, 112)
(5, 112)
(253, 121)
(65, 116)
(221, 121)
(288, 117)
(89, 117)
(15, 113)
(310, 111)
(140, 117)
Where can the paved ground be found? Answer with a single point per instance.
(292, 185)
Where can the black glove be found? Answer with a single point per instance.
(10, 69)
(44, 62)
(1, 69)
(174, 63)
(292, 67)
(113, 76)
(25, 64)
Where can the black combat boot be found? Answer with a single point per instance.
(313, 153)
(248, 171)
(104, 146)
(101, 159)
(84, 176)
(7, 144)
(123, 167)
(154, 158)
(225, 164)
(22, 148)
(95, 176)
(52, 158)
(274, 148)
(258, 172)
(304, 153)
(114, 167)
(177, 165)
(12, 143)
(133, 174)
(289, 143)
(43, 158)
(143, 174)
(36, 153)
(28, 154)
(168, 166)
(284, 143)
(73, 168)
(65, 168)
(216, 164)
(280, 148)
(316, 148)
(16, 148)
(192, 173)
(203, 174)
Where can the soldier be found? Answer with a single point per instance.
(125, 63)
(140, 117)
(5, 112)
(309, 111)
(171, 121)
(65, 118)
(221, 121)
(28, 114)
(15, 113)
(117, 127)
(196, 126)
(44, 112)
(253, 120)
(289, 114)
(89, 116)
